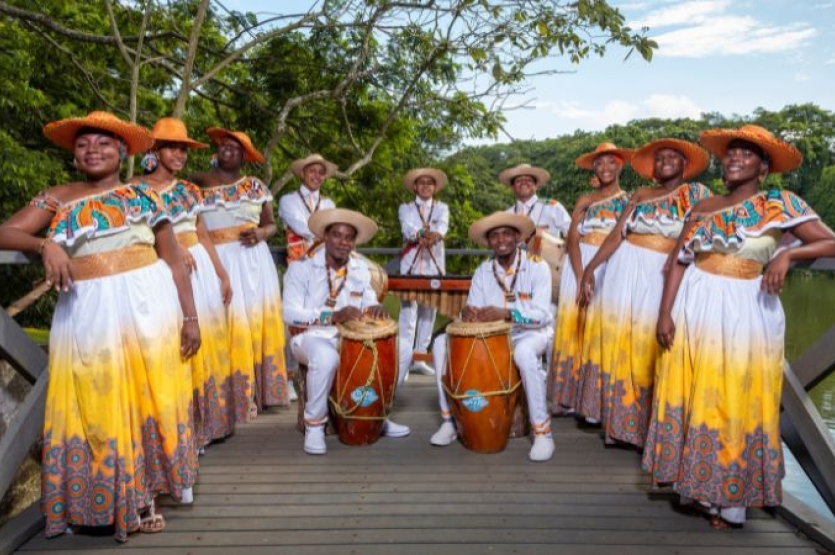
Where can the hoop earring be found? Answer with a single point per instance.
(149, 162)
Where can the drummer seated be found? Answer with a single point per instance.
(514, 286)
(327, 288)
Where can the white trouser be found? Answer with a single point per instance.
(549, 349)
(321, 356)
(415, 332)
(292, 363)
(528, 348)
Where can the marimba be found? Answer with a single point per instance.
(446, 293)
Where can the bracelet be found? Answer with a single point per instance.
(189, 318)
(42, 246)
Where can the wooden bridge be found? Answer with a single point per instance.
(259, 493)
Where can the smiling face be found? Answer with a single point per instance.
(607, 168)
(742, 163)
(503, 240)
(172, 156)
(524, 186)
(425, 187)
(97, 153)
(313, 175)
(340, 240)
(230, 154)
(669, 164)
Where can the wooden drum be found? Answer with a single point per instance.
(552, 249)
(482, 383)
(363, 388)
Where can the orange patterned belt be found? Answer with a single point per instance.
(187, 239)
(728, 265)
(112, 262)
(657, 243)
(228, 234)
(594, 238)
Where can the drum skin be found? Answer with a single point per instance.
(363, 392)
(483, 385)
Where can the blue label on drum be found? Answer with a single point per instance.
(474, 400)
(364, 396)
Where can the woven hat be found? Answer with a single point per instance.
(298, 166)
(540, 175)
(782, 156)
(480, 228)
(63, 132)
(586, 161)
(173, 130)
(251, 154)
(440, 178)
(643, 161)
(322, 219)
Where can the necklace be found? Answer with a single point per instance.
(530, 210)
(509, 292)
(424, 223)
(334, 293)
(306, 207)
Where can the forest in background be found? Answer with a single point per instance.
(378, 87)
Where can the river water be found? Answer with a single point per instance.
(809, 303)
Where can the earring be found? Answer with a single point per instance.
(213, 162)
(149, 162)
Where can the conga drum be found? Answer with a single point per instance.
(552, 249)
(363, 388)
(482, 383)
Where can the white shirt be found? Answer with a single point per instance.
(306, 290)
(532, 307)
(411, 224)
(552, 214)
(294, 214)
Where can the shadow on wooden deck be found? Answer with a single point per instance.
(259, 493)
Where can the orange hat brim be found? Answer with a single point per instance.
(643, 161)
(586, 161)
(251, 154)
(783, 157)
(63, 132)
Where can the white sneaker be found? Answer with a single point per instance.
(445, 435)
(291, 391)
(543, 448)
(314, 440)
(421, 367)
(392, 429)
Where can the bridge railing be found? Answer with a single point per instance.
(804, 431)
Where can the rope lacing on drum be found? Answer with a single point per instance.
(336, 404)
(506, 383)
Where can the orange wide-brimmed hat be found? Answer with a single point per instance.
(298, 165)
(541, 176)
(586, 161)
(782, 156)
(643, 161)
(322, 219)
(173, 130)
(251, 154)
(436, 174)
(63, 132)
(481, 228)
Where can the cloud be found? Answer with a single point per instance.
(799, 77)
(702, 28)
(617, 111)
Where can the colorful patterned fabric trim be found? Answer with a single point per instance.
(669, 208)
(246, 189)
(106, 213)
(605, 213)
(182, 200)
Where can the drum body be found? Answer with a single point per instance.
(363, 388)
(482, 383)
(552, 249)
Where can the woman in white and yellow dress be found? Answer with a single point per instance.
(117, 426)
(715, 431)
(211, 368)
(237, 211)
(635, 254)
(593, 217)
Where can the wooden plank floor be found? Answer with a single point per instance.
(260, 494)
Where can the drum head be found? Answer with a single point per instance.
(473, 329)
(367, 328)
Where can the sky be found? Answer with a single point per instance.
(726, 56)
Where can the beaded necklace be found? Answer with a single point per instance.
(509, 292)
(334, 293)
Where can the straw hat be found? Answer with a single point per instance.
(480, 228)
(586, 161)
(643, 161)
(251, 154)
(298, 166)
(782, 156)
(541, 176)
(173, 130)
(322, 219)
(413, 175)
(63, 132)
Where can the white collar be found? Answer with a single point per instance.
(420, 202)
(531, 201)
(319, 259)
(307, 192)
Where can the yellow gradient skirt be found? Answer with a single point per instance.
(118, 426)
